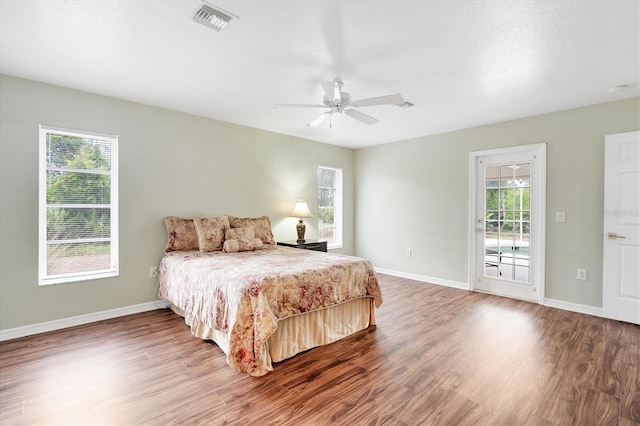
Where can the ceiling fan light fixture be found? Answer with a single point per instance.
(212, 17)
(339, 102)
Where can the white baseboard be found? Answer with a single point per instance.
(423, 278)
(552, 303)
(573, 307)
(43, 327)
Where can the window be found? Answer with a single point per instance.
(78, 205)
(507, 221)
(330, 206)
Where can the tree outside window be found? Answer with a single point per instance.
(330, 206)
(77, 212)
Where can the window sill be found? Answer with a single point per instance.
(76, 278)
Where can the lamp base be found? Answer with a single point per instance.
(301, 228)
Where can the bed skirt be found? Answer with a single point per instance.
(298, 333)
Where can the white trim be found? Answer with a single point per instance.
(423, 278)
(538, 232)
(44, 278)
(79, 133)
(573, 307)
(542, 236)
(43, 327)
(551, 303)
(337, 206)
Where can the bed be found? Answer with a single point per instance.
(262, 305)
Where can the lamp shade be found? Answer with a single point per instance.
(301, 210)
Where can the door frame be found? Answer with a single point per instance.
(541, 156)
(613, 304)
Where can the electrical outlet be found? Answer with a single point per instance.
(582, 274)
(407, 252)
(153, 271)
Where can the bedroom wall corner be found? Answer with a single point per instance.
(171, 163)
(415, 195)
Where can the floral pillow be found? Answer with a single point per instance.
(245, 232)
(241, 239)
(261, 226)
(181, 234)
(210, 231)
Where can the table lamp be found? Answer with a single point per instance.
(301, 211)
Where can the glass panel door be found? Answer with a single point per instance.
(507, 215)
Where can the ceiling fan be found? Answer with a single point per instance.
(339, 102)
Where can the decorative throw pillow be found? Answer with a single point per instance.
(210, 231)
(241, 239)
(181, 234)
(242, 244)
(261, 225)
(246, 232)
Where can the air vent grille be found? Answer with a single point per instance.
(405, 104)
(211, 17)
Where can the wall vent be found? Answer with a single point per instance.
(211, 16)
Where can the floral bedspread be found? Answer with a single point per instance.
(245, 294)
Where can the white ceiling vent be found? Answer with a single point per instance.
(405, 104)
(212, 17)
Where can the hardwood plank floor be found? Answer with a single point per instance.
(438, 356)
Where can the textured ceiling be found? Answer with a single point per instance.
(462, 63)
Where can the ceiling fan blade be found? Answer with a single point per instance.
(319, 120)
(360, 116)
(332, 90)
(298, 106)
(380, 100)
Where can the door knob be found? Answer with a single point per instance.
(613, 236)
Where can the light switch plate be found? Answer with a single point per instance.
(559, 216)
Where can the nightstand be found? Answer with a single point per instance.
(307, 245)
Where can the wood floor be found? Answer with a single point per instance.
(438, 356)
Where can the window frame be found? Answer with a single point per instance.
(113, 270)
(337, 207)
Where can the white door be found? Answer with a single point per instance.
(508, 222)
(621, 263)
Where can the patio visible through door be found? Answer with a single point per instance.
(507, 213)
(508, 221)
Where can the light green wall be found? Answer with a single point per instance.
(410, 194)
(414, 194)
(170, 164)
